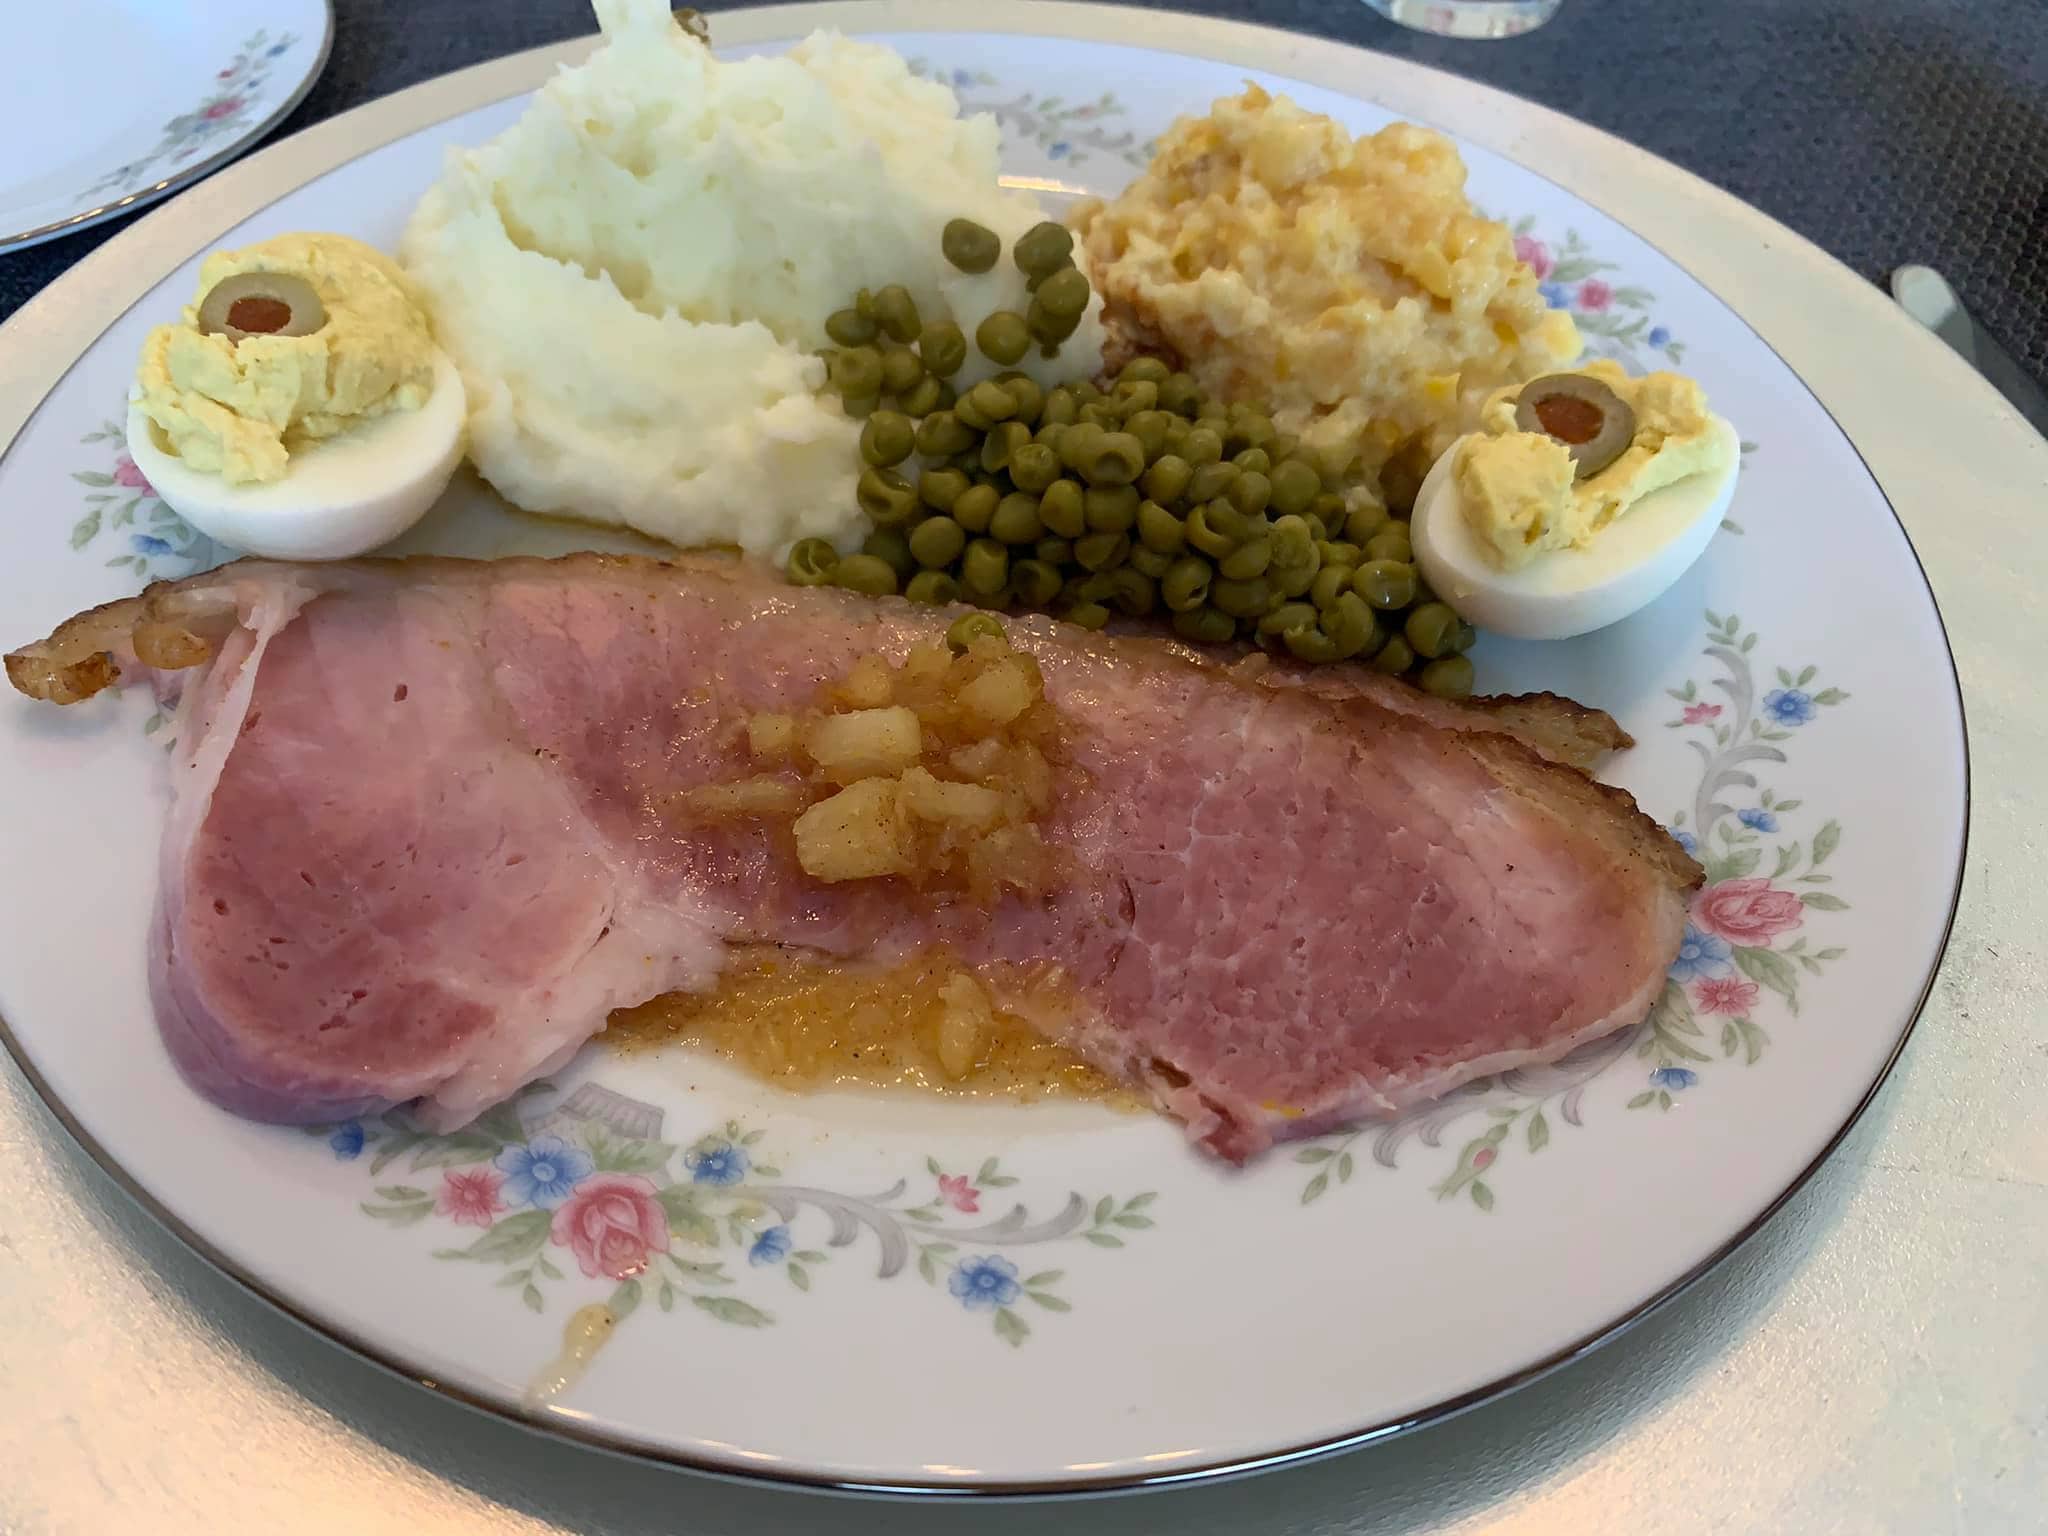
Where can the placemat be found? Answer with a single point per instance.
(1887, 131)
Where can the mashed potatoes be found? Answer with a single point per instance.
(1346, 284)
(635, 276)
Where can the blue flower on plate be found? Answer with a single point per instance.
(276, 48)
(542, 1172)
(1701, 954)
(1659, 336)
(1687, 841)
(1676, 1078)
(771, 1247)
(1757, 819)
(148, 544)
(1790, 706)
(985, 1283)
(716, 1162)
(1059, 151)
(347, 1140)
(1556, 295)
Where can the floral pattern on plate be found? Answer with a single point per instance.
(123, 508)
(1070, 132)
(588, 1188)
(231, 102)
(1743, 941)
(1615, 318)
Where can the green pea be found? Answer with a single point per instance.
(984, 567)
(1043, 249)
(1135, 592)
(856, 373)
(1100, 413)
(1431, 627)
(1329, 506)
(1079, 444)
(1247, 560)
(975, 507)
(1242, 599)
(937, 541)
(970, 627)
(1210, 481)
(1087, 615)
(1361, 523)
(1391, 543)
(1395, 657)
(1003, 440)
(1295, 486)
(1185, 586)
(1003, 337)
(1284, 446)
(1151, 370)
(1466, 638)
(1086, 391)
(1310, 644)
(1061, 408)
(887, 438)
(940, 488)
(1050, 326)
(969, 246)
(865, 573)
(1250, 492)
(1149, 428)
(896, 313)
(1050, 435)
(1386, 584)
(1024, 390)
(1340, 552)
(1035, 583)
(1101, 551)
(1448, 677)
(1033, 467)
(1152, 562)
(1064, 293)
(1176, 434)
(1179, 394)
(1204, 626)
(1288, 616)
(1350, 625)
(1089, 587)
(1166, 479)
(1016, 519)
(922, 398)
(1317, 528)
(1117, 459)
(901, 370)
(992, 400)
(1159, 529)
(864, 304)
(1054, 551)
(1216, 528)
(1131, 396)
(1202, 448)
(891, 546)
(886, 497)
(850, 328)
(1253, 429)
(1253, 461)
(1064, 509)
(811, 562)
(1110, 509)
(941, 348)
(932, 587)
(1330, 583)
(942, 434)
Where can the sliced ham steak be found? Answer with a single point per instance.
(419, 848)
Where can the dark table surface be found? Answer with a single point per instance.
(1888, 131)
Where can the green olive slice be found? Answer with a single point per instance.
(1592, 421)
(261, 304)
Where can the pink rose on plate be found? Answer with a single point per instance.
(1695, 713)
(1747, 911)
(1724, 994)
(1533, 254)
(469, 1197)
(614, 1223)
(227, 106)
(955, 1190)
(127, 473)
(1595, 295)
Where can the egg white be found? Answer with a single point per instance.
(341, 497)
(1634, 561)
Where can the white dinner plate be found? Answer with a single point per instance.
(114, 103)
(898, 1294)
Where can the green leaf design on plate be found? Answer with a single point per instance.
(516, 1237)
(1772, 970)
(730, 1309)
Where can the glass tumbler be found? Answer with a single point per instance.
(1468, 18)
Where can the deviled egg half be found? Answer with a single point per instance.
(299, 409)
(1581, 499)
